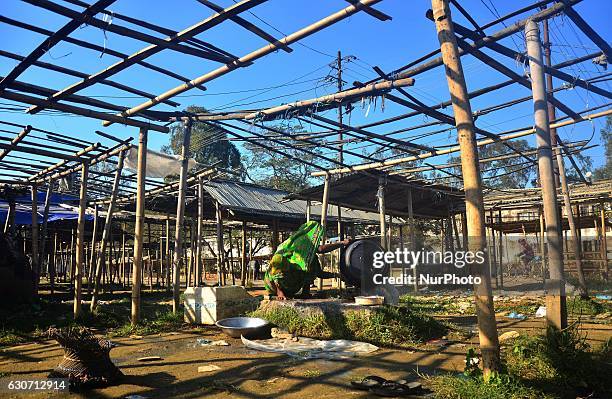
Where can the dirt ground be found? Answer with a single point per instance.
(249, 374)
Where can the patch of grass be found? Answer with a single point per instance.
(462, 387)
(561, 362)
(578, 306)
(438, 305)
(4, 374)
(10, 338)
(160, 322)
(384, 326)
(593, 282)
(312, 373)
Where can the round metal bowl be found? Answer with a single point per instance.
(250, 327)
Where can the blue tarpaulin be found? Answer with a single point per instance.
(58, 208)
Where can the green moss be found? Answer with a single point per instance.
(385, 326)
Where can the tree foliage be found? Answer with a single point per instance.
(272, 169)
(208, 144)
(605, 171)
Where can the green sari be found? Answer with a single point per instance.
(295, 261)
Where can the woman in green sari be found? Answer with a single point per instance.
(295, 265)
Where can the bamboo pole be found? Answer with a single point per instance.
(324, 208)
(243, 255)
(168, 257)
(457, 148)
(200, 234)
(285, 41)
(34, 238)
(487, 328)
(382, 212)
(78, 278)
(412, 236)
(139, 225)
(107, 230)
(220, 245)
(556, 312)
(92, 252)
(180, 214)
(604, 238)
(43, 241)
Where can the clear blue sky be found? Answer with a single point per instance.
(387, 44)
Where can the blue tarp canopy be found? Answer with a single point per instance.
(58, 208)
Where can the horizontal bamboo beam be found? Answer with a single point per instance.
(81, 111)
(60, 164)
(91, 46)
(53, 39)
(71, 72)
(245, 24)
(127, 32)
(263, 51)
(38, 151)
(16, 140)
(151, 50)
(450, 150)
(587, 30)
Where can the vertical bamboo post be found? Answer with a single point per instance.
(180, 214)
(308, 210)
(107, 230)
(34, 237)
(556, 312)
(200, 233)
(487, 328)
(139, 225)
(92, 253)
(324, 207)
(493, 252)
(43, 241)
(412, 236)
(78, 278)
(53, 269)
(168, 257)
(220, 251)
(381, 212)
(604, 237)
(243, 254)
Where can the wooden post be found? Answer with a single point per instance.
(243, 254)
(556, 312)
(275, 240)
(43, 241)
(93, 253)
(324, 208)
(78, 278)
(604, 237)
(34, 243)
(220, 245)
(123, 255)
(168, 257)
(412, 237)
(139, 225)
(487, 328)
(308, 215)
(494, 251)
(381, 212)
(107, 230)
(200, 233)
(53, 269)
(180, 214)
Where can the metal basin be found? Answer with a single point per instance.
(250, 327)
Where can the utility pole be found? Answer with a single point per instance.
(560, 168)
(472, 182)
(556, 312)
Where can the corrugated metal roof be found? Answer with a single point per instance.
(251, 198)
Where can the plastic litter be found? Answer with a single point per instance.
(517, 316)
(308, 348)
(603, 297)
(541, 312)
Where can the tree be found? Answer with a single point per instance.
(274, 170)
(208, 144)
(605, 171)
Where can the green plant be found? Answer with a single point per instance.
(500, 387)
